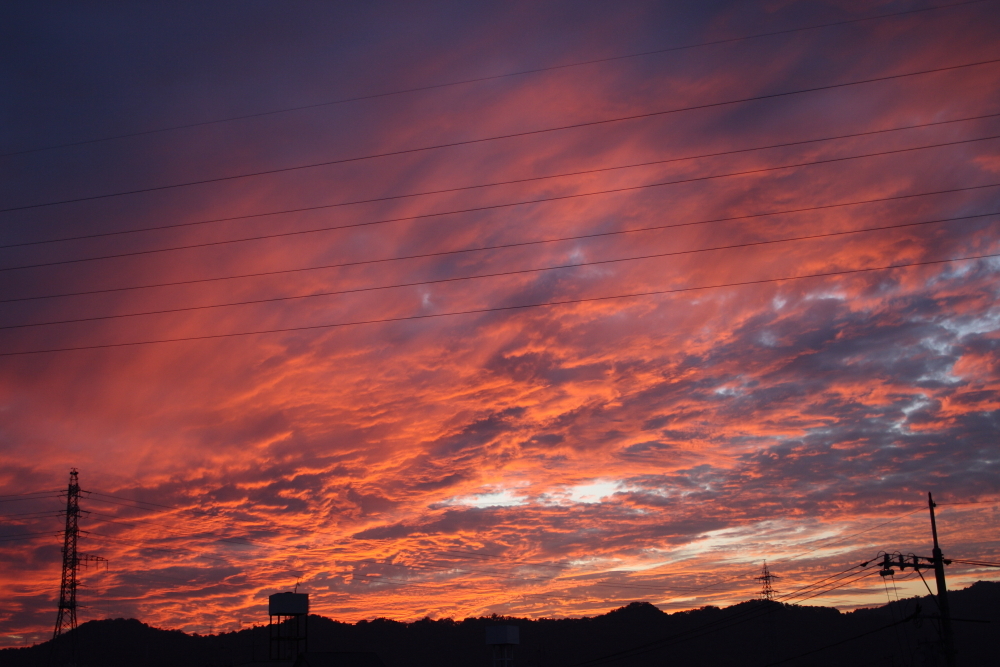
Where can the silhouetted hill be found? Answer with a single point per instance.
(753, 634)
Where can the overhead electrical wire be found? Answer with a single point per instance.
(30, 493)
(827, 543)
(824, 544)
(431, 566)
(248, 542)
(202, 514)
(472, 554)
(838, 643)
(240, 541)
(512, 135)
(494, 77)
(21, 536)
(157, 508)
(11, 500)
(496, 309)
(807, 592)
(479, 186)
(40, 513)
(738, 618)
(798, 592)
(557, 580)
(143, 502)
(730, 620)
(971, 502)
(573, 581)
(150, 548)
(144, 520)
(814, 589)
(506, 245)
(576, 581)
(437, 281)
(976, 563)
(633, 188)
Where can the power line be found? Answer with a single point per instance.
(203, 513)
(107, 495)
(245, 541)
(977, 563)
(843, 641)
(21, 536)
(437, 281)
(432, 566)
(44, 514)
(797, 592)
(809, 591)
(157, 507)
(971, 502)
(576, 582)
(215, 538)
(498, 183)
(418, 566)
(144, 546)
(11, 500)
(490, 207)
(478, 555)
(144, 521)
(508, 245)
(30, 493)
(739, 617)
(496, 309)
(498, 137)
(839, 579)
(492, 78)
(472, 554)
(825, 544)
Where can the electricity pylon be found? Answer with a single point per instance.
(72, 559)
(766, 590)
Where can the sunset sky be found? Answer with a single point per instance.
(532, 313)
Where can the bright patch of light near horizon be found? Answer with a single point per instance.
(784, 539)
(589, 493)
(501, 498)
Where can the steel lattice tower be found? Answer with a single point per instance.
(66, 620)
(73, 560)
(765, 579)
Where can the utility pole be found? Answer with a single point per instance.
(942, 589)
(936, 561)
(72, 559)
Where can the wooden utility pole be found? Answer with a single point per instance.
(942, 590)
(936, 561)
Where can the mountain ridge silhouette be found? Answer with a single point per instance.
(753, 633)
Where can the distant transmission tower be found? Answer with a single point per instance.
(765, 579)
(72, 559)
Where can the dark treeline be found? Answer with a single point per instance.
(752, 634)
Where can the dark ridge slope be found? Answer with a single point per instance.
(752, 634)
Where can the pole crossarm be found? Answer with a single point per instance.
(898, 560)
